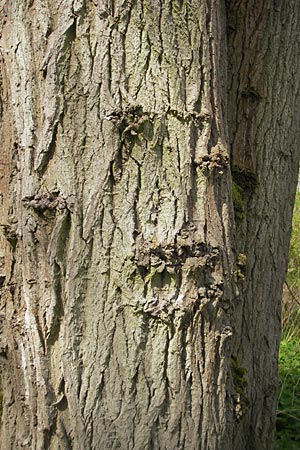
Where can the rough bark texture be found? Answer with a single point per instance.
(148, 164)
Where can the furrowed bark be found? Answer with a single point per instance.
(262, 114)
(146, 220)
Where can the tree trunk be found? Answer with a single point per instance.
(148, 167)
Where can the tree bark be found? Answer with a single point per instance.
(149, 164)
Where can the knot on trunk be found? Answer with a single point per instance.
(47, 201)
(214, 162)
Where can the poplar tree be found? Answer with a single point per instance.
(149, 161)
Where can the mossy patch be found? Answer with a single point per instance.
(238, 376)
(244, 183)
(245, 179)
(240, 383)
(238, 204)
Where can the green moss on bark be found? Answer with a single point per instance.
(238, 204)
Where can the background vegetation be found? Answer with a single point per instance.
(288, 418)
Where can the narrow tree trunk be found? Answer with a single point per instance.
(149, 162)
(262, 114)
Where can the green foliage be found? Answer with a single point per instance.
(288, 418)
(293, 275)
(291, 296)
(290, 319)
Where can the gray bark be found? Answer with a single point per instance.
(148, 165)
